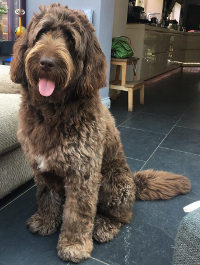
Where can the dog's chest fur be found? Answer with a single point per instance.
(59, 140)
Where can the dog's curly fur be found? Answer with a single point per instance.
(70, 139)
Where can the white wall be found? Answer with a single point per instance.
(102, 21)
(119, 25)
(120, 18)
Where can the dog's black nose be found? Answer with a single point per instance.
(46, 63)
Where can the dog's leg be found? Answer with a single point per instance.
(116, 199)
(105, 229)
(75, 241)
(49, 215)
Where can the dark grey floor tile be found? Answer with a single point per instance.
(167, 109)
(17, 245)
(139, 144)
(151, 122)
(119, 120)
(13, 195)
(134, 164)
(179, 163)
(119, 107)
(148, 239)
(191, 119)
(91, 262)
(183, 139)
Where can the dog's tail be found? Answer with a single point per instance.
(154, 185)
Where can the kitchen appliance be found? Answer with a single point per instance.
(154, 20)
(139, 3)
(150, 15)
(143, 15)
(136, 12)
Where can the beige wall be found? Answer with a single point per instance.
(119, 25)
(154, 6)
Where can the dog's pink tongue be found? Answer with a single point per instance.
(46, 87)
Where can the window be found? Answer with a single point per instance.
(10, 21)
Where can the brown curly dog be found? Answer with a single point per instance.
(70, 138)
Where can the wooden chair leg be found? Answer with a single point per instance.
(130, 99)
(142, 95)
(114, 94)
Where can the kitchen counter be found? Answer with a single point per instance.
(162, 49)
(157, 29)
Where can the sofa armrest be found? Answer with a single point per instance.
(6, 84)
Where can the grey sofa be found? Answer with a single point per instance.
(187, 245)
(14, 168)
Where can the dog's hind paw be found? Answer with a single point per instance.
(74, 252)
(41, 225)
(105, 229)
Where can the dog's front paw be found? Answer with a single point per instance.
(41, 225)
(74, 252)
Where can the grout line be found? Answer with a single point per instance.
(161, 115)
(164, 139)
(130, 117)
(100, 261)
(16, 198)
(135, 159)
(179, 151)
(142, 130)
(187, 128)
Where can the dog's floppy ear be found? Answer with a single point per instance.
(93, 76)
(17, 66)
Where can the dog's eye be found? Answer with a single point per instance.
(68, 36)
(70, 39)
(42, 31)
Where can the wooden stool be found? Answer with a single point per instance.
(126, 86)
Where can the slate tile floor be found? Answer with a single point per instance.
(164, 135)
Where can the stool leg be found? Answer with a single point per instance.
(130, 99)
(142, 95)
(117, 72)
(124, 69)
(114, 94)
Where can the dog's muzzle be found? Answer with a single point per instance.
(46, 86)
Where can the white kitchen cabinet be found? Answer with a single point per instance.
(161, 50)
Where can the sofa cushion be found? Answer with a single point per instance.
(6, 84)
(15, 171)
(187, 247)
(9, 106)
